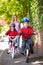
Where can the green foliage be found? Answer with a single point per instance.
(1, 27)
(21, 8)
(36, 14)
(10, 7)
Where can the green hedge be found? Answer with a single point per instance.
(36, 14)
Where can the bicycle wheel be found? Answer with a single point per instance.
(12, 52)
(27, 55)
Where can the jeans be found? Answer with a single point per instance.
(25, 44)
(17, 41)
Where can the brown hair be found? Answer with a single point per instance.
(10, 27)
(13, 17)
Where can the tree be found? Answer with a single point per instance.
(21, 8)
(36, 14)
(10, 7)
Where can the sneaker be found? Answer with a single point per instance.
(18, 51)
(8, 52)
(22, 53)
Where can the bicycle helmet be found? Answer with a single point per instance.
(25, 19)
(12, 24)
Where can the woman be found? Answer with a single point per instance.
(17, 27)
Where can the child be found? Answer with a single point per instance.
(11, 33)
(26, 33)
(17, 27)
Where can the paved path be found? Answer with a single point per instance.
(4, 45)
(6, 59)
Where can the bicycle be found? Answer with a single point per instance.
(27, 50)
(13, 44)
(14, 49)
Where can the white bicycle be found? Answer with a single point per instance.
(14, 49)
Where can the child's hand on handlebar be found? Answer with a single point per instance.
(35, 33)
(4, 35)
